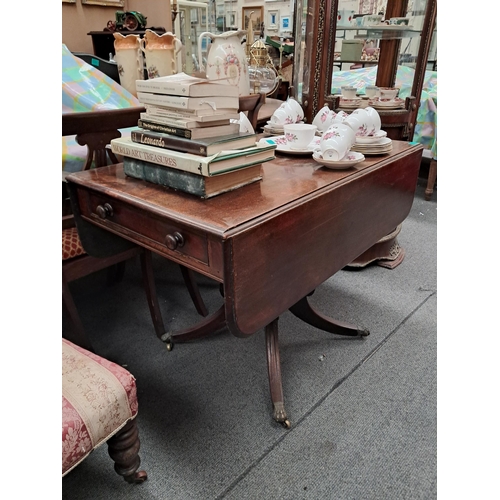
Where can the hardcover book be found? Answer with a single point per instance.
(185, 85)
(199, 185)
(192, 103)
(186, 123)
(205, 147)
(195, 133)
(200, 115)
(225, 161)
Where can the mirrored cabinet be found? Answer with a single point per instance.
(190, 19)
(361, 43)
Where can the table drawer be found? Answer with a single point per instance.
(167, 236)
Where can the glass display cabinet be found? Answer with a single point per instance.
(335, 43)
(190, 19)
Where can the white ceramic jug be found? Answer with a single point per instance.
(160, 52)
(130, 61)
(226, 60)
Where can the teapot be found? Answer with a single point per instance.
(160, 52)
(226, 61)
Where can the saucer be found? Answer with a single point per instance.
(277, 126)
(376, 102)
(273, 129)
(362, 103)
(349, 160)
(382, 147)
(371, 139)
(282, 145)
(350, 102)
(274, 126)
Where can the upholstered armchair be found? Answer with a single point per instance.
(99, 405)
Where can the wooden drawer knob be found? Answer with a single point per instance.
(104, 211)
(175, 240)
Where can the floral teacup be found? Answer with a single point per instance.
(324, 118)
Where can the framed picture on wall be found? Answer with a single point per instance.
(285, 23)
(246, 12)
(108, 3)
(220, 24)
(231, 19)
(68, 1)
(273, 19)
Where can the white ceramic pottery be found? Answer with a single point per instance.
(345, 17)
(160, 52)
(336, 141)
(299, 135)
(282, 116)
(388, 92)
(324, 118)
(375, 119)
(296, 108)
(130, 60)
(226, 60)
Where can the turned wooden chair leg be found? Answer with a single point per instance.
(123, 448)
(431, 180)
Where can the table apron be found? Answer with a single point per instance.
(201, 251)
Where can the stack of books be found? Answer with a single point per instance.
(186, 141)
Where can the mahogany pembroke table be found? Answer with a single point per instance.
(268, 244)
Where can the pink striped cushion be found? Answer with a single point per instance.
(98, 398)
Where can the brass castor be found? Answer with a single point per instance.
(169, 343)
(286, 424)
(279, 415)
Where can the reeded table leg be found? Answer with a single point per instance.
(431, 180)
(274, 371)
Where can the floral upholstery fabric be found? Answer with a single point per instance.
(98, 398)
(71, 244)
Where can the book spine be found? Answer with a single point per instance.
(209, 114)
(167, 112)
(182, 122)
(193, 103)
(164, 176)
(168, 158)
(162, 88)
(186, 89)
(181, 180)
(173, 142)
(165, 129)
(197, 164)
